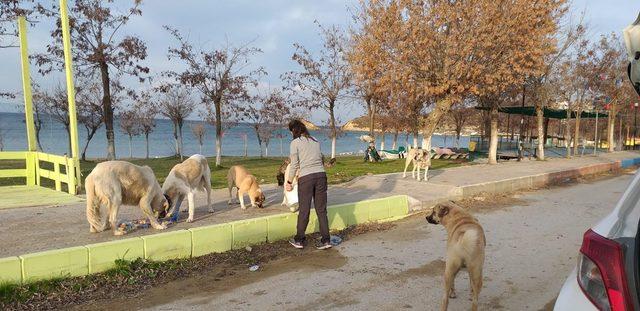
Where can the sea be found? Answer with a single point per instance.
(54, 139)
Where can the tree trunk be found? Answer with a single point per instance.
(200, 148)
(415, 138)
(107, 110)
(395, 141)
(218, 106)
(175, 137)
(90, 134)
(567, 139)
(245, 145)
(334, 132)
(541, 133)
(281, 146)
(620, 142)
(180, 140)
(382, 138)
(146, 142)
(266, 148)
(130, 147)
(611, 127)
(442, 106)
(576, 136)
(493, 140)
(372, 116)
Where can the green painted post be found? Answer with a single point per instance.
(28, 103)
(71, 92)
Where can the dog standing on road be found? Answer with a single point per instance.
(420, 158)
(184, 180)
(465, 248)
(240, 178)
(114, 183)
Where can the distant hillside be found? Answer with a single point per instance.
(309, 125)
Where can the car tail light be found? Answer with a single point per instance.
(601, 273)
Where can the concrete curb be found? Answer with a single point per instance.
(193, 242)
(526, 182)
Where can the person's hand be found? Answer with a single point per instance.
(288, 187)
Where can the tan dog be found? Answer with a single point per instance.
(184, 180)
(465, 248)
(246, 183)
(294, 183)
(114, 183)
(420, 158)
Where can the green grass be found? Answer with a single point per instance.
(347, 168)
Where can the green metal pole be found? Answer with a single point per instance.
(71, 96)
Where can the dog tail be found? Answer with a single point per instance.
(93, 206)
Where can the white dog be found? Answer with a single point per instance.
(288, 196)
(114, 183)
(184, 180)
(420, 158)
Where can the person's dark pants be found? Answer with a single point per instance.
(312, 187)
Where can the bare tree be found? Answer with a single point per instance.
(146, 112)
(176, 104)
(199, 131)
(130, 125)
(220, 75)
(55, 105)
(90, 113)
(324, 79)
(266, 114)
(99, 48)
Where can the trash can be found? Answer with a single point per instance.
(472, 146)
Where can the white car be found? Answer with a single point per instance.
(607, 276)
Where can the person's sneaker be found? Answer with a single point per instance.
(296, 244)
(325, 245)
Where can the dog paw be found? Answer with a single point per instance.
(160, 227)
(118, 232)
(452, 294)
(211, 210)
(189, 219)
(243, 207)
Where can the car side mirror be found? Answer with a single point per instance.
(631, 36)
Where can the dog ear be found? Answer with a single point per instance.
(443, 210)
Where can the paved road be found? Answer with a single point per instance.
(531, 248)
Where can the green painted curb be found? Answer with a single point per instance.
(82, 260)
(10, 270)
(167, 245)
(280, 227)
(211, 239)
(102, 256)
(73, 261)
(249, 231)
(398, 205)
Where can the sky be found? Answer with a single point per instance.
(272, 25)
